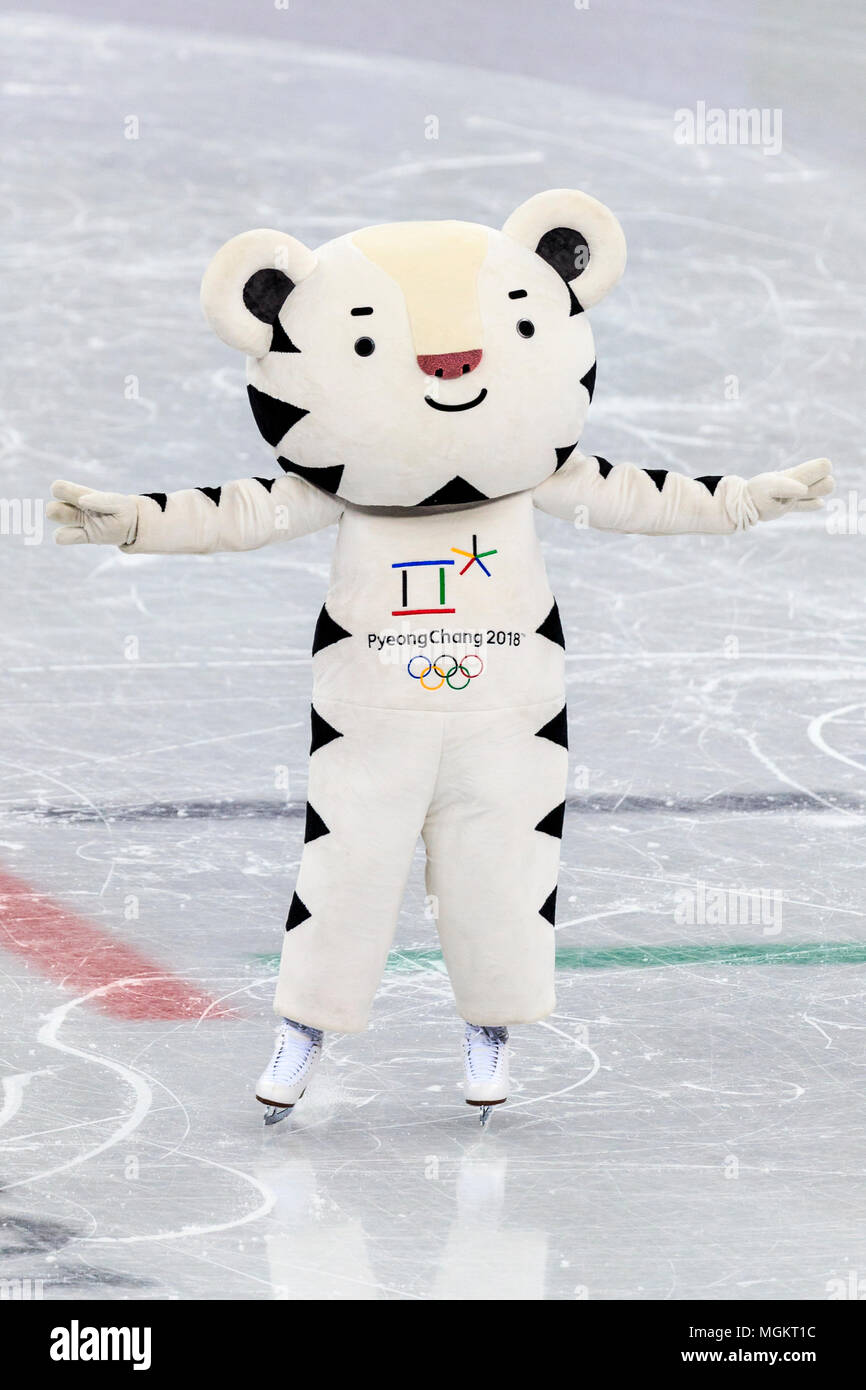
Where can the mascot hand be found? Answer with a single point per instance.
(795, 489)
(94, 518)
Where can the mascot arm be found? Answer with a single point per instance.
(589, 491)
(240, 515)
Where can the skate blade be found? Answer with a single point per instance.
(275, 1113)
(486, 1108)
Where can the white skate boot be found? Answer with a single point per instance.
(485, 1062)
(285, 1078)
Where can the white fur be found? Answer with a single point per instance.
(567, 207)
(370, 413)
(222, 289)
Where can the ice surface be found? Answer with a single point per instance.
(690, 1122)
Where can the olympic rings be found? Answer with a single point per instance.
(445, 677)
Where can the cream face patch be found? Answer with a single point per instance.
(436, 265)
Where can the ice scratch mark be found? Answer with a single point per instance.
(143, 1092)
(595, 1064)
(755, 1092)
(13, 1093)
(816, 734)
(813, 1023)
(66, 786)
(767, 762)
(48, 1037)
(266, 1206)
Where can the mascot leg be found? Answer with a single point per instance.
(372, 774)
(492, 837)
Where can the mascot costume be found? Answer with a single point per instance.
(423, 386)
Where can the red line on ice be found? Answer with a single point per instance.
(78, 956)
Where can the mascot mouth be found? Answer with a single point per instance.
(466, 405)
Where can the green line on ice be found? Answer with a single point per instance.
(654, 957)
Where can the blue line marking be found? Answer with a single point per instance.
(413, 564)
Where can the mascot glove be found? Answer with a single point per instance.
(794, 489)
(92, 518)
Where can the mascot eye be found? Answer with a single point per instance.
(364, 346)
(525, 328)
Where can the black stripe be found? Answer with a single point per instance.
(322, 733)
(314, 827)
(551, 628)
(556, 729)
(328, 479)
(327, 631)
(552, 823)
(589, 380)
(548, 909)
(280, 340)
(272, 416)
(454, 492)
(298, 913)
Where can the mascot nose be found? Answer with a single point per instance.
(449, 364)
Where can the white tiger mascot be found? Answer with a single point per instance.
(423, 386)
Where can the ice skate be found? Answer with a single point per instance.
(285, 1078)
(485, 1064)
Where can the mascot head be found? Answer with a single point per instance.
(422, 364)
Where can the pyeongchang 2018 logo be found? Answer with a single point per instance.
(441, 568)
(77, 1343)
(455, 672)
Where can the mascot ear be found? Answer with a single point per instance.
(578, 236)
(247, 283)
